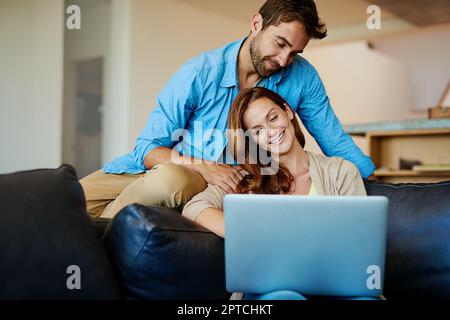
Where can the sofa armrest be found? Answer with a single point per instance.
(45, 232)
(159, 254)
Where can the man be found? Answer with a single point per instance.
(200, 95)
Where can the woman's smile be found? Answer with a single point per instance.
(279, 138)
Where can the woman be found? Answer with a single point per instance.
(272, 127)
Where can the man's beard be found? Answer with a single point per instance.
(258, 60)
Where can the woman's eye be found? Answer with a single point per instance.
(274, 118)
(279, 44)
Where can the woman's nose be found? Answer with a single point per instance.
(272, 133)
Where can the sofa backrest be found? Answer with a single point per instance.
(158, 254)
(418, 246)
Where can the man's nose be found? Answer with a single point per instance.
(283, 60)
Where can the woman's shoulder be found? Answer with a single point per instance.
(336, 175)
(214, 190)
(325, 161)
(335, 166)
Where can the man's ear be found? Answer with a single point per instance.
(256, 23)
(289, 111)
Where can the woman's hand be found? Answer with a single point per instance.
(224, 176)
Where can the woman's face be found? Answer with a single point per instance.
(270, 126)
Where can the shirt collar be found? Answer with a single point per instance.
(276, 77)
(230, 76)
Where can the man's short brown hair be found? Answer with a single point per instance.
(276, 11)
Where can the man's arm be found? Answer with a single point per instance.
(161, 155)
(319, 118)
(174, 107)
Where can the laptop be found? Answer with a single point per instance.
(322, 245)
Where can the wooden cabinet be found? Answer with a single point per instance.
(429, 146)
(423, 140)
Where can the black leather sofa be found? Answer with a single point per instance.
(155, 253)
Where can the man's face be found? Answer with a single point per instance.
(276, 46)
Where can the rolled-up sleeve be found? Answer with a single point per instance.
(211, 197)
(173, 108)
(319, 118)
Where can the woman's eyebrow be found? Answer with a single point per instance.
(267, 118)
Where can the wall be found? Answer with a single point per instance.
(117, 89)
(397, 79)
(92, 41)
(398, 76)
(426, 57)
(31, 64)
(363, 85)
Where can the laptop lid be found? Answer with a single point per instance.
(323, 245)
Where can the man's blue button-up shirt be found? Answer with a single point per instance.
(198, 97)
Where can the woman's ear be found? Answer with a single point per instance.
(256, 23)
(289, 111)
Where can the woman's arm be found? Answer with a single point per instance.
(206, 208)
(212, 219)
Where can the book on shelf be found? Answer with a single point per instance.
(432, 167)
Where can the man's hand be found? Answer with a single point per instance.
(224, 176)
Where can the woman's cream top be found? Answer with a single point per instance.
(329, 175)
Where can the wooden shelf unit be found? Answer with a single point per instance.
(431, 146)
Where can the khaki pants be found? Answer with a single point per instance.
(166, 185)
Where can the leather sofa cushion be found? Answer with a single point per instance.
(159, 254)
(44, 229)
(418, 249)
